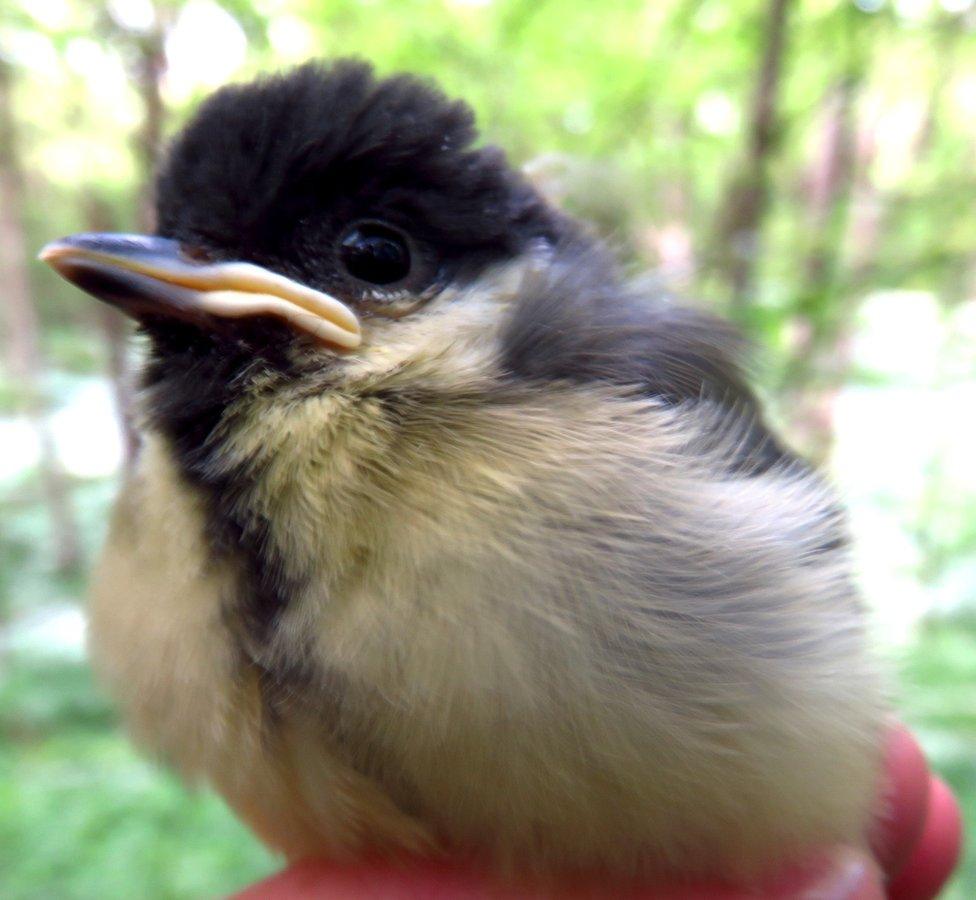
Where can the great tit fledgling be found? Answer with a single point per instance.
(446, 537)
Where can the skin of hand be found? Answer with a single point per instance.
(915, 848)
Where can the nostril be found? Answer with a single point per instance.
(198, 253)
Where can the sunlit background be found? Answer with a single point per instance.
(806, 168)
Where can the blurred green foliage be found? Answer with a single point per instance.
(82, 815)
(814, 182)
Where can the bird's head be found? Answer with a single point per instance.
(328, 229)
(314, 226)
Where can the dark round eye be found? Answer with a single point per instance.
(375, 253)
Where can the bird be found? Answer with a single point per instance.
(450, 536)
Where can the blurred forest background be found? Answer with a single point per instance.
(807, 167)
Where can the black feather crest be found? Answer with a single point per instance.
(257, 158)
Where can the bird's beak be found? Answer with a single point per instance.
(151, 276)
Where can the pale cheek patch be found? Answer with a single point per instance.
(453, 341)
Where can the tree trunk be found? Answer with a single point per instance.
(739, 221)
(149, 69)
(828, 303)
(147, 66)
(23, 349)
(823, 307)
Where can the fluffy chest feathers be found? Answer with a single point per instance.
(552, 631)
(446, 535)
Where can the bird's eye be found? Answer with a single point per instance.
(374, 253)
